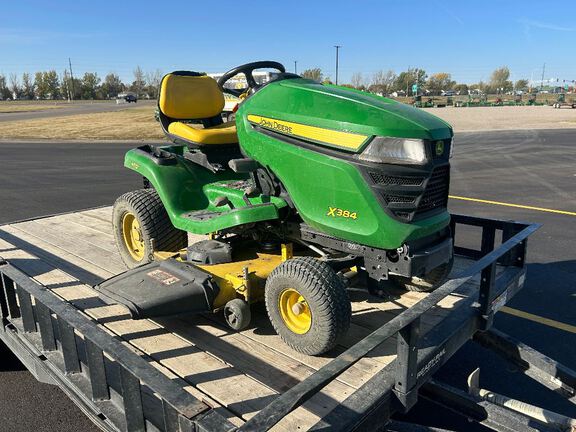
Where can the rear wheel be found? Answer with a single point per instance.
(429, 282)
(308, 305)
(142, 226)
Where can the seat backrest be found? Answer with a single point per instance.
(190, 95)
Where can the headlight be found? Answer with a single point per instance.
(451, 147)
(395, 150)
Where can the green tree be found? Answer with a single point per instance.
(499, 80)
(90, 82)
(112, 85)
(5, 92)
(521, 84)
(51, 84)
(406, 79)
(313, 74)
(27, 86)
(439, 82)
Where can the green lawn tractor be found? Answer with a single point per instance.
(309, 183)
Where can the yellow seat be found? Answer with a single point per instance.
(224, 133)
(192, 96)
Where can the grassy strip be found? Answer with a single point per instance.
(135, 123)
(9, 107)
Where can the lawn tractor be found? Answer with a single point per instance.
(308, 184)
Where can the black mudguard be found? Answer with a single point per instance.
(161, 288)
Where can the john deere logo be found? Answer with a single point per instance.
(439, 148)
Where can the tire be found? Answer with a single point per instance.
(429, 282)
(322, 297)
(237, 314)
(153, 228)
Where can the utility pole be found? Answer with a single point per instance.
(71, 77)
(337, 48)
(295, 67)
(542, 82)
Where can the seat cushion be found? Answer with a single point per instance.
(224, 133)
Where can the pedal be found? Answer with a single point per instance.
(250, 192)
(222, 201)
(243, 166)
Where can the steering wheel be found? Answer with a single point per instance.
(247, 70)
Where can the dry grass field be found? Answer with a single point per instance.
(506, 117)
(139, 124)
(134, 123)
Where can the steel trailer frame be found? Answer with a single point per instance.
(120, 391)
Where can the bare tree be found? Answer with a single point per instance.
(139, 82)
(15, 85)
(27, 86)
(153, 80)
(357, 80)
(382, 82)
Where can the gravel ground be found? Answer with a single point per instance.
(506, 117)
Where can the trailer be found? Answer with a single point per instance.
(194, 373)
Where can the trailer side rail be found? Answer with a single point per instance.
(417, 358)
(115, 386)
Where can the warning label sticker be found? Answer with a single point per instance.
(163, 277)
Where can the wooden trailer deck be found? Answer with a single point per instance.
(237, 373)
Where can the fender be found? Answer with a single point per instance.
(188, 189)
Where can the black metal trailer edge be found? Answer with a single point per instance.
(120, 391)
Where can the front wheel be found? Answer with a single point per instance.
(308, 305)
(429, 282)
(142, 227)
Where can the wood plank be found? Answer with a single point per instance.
(73, 228)
(58, 237)
(85, 220)
(278, 371)
(78, 267)
(225, 384)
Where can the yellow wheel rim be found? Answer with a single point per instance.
(295, 311)
(132, 235)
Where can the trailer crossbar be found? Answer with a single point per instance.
(117, 387)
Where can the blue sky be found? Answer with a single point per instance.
(466, 38)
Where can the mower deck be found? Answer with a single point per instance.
(236, 373)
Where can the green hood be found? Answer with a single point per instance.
(339, 108)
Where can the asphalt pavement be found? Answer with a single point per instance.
(77, 107)
(529, 168)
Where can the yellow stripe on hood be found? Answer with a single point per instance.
(347, 140)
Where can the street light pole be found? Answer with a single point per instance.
(295, 68)
(337, 48)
